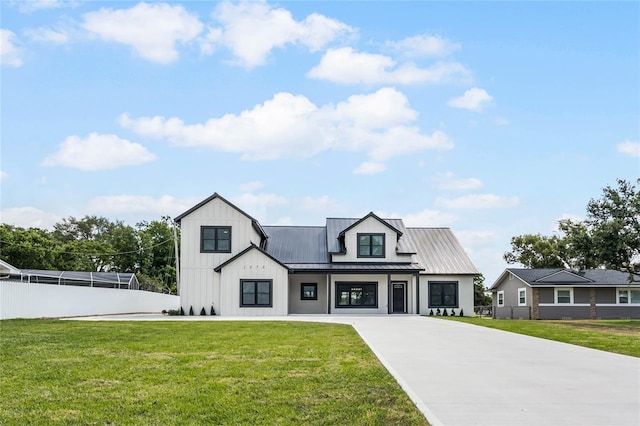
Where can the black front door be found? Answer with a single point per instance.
(399, 296)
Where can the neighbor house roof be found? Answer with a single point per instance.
(542, 277)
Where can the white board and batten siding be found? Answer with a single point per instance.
(199, 284)
(465, 291)
(254, 265)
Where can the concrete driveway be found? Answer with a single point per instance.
(460, 374)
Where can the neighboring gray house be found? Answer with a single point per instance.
(349, 266)
(565, 294)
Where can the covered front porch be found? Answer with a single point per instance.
(354, 292)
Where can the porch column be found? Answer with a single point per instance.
(329, 293)
(389, 293)
(416, 277)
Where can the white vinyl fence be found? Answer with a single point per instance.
(25, 300)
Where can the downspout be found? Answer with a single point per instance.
(417, 278)
(329, 293)
(388, 293)
(175, 243)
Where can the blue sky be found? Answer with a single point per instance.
(494, 119)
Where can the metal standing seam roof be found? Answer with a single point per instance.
(438, 251)
(561, 276)
(297, 244)
(355, 267)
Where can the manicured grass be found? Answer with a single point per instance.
(193, 373)
(619, 336)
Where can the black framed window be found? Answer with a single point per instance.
(370, 245)
(255, 293)
(215, 239)
(308, 291)
(356, 295)
(443, 294)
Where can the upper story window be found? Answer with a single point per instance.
(215, 239)
(370, 245)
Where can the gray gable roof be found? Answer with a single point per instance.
(438, 251)
(297, 244)
(560, 276)
(245, 251)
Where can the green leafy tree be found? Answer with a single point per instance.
(609, 237)
(31, 248)
(479, 298)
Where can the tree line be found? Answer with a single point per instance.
(96, 244)
(608, 238)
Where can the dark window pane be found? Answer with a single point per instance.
(224, 245)
(263, 299)
(208, 245)
(263, 287)
(248, 299)
(377, 240)
(209, 233)
(376, 251)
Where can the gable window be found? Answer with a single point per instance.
(370, 245)
(308, 291)
(522, 297)
(628, 296)
(356, 295)
(443, 294)
(500, 298)
(564, 295)
(215, 239)
(255, 293)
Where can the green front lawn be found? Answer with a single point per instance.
(619, 336)
(212, 372)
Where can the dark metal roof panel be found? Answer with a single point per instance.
(297, 244)
(355, 267)
(438, 251)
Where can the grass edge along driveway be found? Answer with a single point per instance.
(617, 336)
(213, 372)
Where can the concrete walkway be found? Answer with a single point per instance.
(460, 374)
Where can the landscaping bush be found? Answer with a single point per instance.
(190, 310)
(181, 311)
(203, 312)
(213, 312)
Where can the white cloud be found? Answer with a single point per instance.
(501, 121)
(292, 126)
(346, 66)
(29, 217)
(153, 30)
(257, 205)
(98, 152)
(3, 175)
(629, 148)
(251, 186)
(473, 99)
(48, 35)
(449, 181)
(369, 168)
(9, 50)
(427, 218)
(119, 204)
(477, 201)
(423, 45)
(251, 30)
(477, 238)
(323, 203)
(35, 5)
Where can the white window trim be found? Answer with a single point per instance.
(555, 295)
(500, 293)
(628, 290)
(522, 289)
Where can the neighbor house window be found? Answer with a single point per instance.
(628, 296)
(564, 295)
(370, 245)
(356, 295)
(501, 298)
(309, 291)
(255, 293)
(522, 297)
(443, 294)
(215, 239)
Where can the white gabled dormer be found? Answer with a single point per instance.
(368, 240)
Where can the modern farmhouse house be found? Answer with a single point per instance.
(565, 294)
(370, 265)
